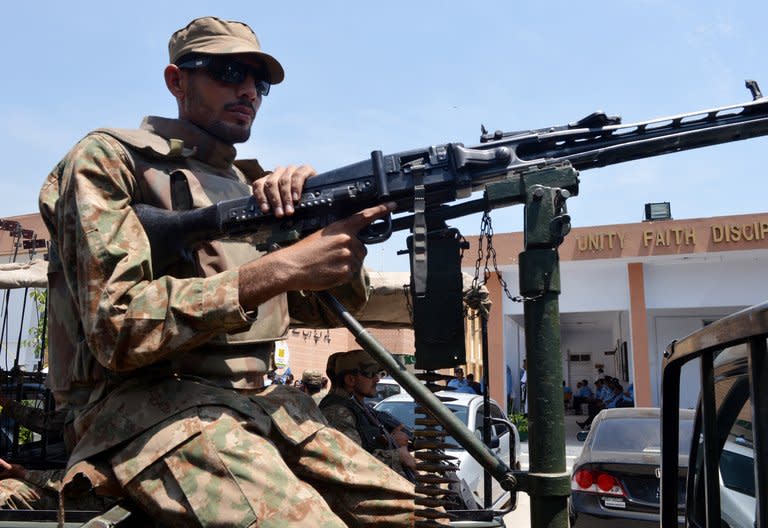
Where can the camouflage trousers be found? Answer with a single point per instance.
(232, 474)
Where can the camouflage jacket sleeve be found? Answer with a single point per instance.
(306, 311)
(33, 418)
(130, 318)
(341, 418)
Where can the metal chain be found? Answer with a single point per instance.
(489, 255)
(485, 257)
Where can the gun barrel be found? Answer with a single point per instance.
(450, 171)
(591, 147)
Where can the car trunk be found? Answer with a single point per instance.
(641, 484)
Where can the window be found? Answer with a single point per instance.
(734, 429)
(637, 435)
(737, 473)
(497, 429)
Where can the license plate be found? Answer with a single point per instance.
(614, 503)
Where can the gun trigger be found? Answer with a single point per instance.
(377, 232)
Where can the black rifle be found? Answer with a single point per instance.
(392, 423)
(424, 181)
(386, 424)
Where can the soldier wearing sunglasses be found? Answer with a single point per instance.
(161, 371)
(355, 377)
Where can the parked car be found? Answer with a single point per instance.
(469, 409)
(615, 481)
(737, 483)
(385, 388)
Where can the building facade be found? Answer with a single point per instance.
(629, 290)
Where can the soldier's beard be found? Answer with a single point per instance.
(200, 112)
(229, 132)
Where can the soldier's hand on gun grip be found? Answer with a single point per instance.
(279, 190)
(333, 255)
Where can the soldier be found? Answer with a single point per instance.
(162, 370)
(355, 377)
(312, 383)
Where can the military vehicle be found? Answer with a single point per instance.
(727, 479)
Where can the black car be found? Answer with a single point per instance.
(615, 479)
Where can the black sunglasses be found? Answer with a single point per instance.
(228, 71)
(370, 375)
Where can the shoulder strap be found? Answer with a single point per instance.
(149, 143)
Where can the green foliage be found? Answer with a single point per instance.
(25, 435)
(35, 341)
(520, 421)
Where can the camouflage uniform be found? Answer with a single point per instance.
(344, 414)
(162, 373)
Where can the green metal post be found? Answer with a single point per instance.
(545, 226)
(546, 431)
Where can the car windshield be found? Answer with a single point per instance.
(405, 412)
(384, 390)
(637, 435)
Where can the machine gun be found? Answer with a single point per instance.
(425, 181)
(537, 168)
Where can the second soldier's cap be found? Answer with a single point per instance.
(356, 360)
(213, 36)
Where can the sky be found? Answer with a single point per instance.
(399, 75)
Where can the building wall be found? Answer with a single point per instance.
(34, 228)
(310, 348)
(19, 313)
(718, 279)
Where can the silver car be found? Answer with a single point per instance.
(469, 409)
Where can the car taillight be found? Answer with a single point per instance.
(608, 484)
(592, 481)
(583, 478)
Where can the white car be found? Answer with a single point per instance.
(385, 388)
(469, 409)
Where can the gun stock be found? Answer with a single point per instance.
(438, 175)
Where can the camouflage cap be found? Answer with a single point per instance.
(330, 366)
(213, 36)
(312, 377)
(355, 360)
